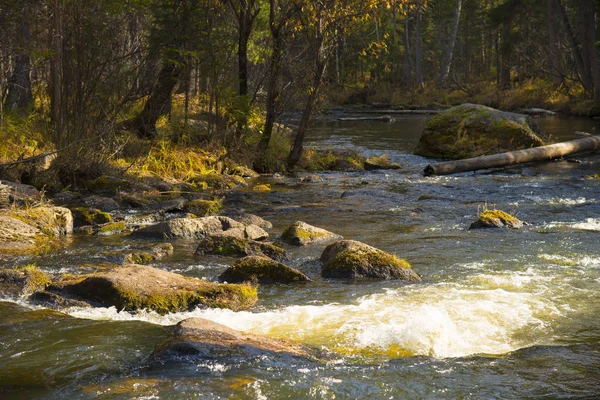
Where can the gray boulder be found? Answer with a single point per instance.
(302, 234)
(262, 270)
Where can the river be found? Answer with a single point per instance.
(499, 314)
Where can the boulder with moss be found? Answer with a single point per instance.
(22, 281)
(136, 287)
(189, 228)
(101, 203)
(17, 237)
(350, 259)
(148, 257)
(380, 162)
(199, 339)
(262, 270)
(302, 234)
(472, 130)
(83, 216)
(496, 219)
(203, 208)
(18, 193)
(51, 221)
(230, 246)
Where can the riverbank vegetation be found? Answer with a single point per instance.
(187, 89)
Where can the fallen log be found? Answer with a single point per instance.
(535, 154)
(384, 118)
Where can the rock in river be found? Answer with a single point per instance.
(472, 130)
(196, 339)
(496, 219)
(349, 259)
(135, 287)
(301, 234)
(262, 270)
(230, 246)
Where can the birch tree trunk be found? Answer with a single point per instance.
(450, 49)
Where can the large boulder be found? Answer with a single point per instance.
(22, 281)
(196, 339)
(230, 246)
(349, 259)
(472, 130)
(302, 234)
(17, 237)
(251, 219)
(51, 221)
(13, 192)
(190, 228)
(261, 270)
(135, 287)
(496, 219)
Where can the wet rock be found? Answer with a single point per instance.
(169, 205)
(262, 270)
(251, 219)
(203, 208)
(89, 216)
(311, 179)
(262, 188)
(382, 162)
(12, 192)
(112, 228)
(196, 339)
(235, 247)
(219, 181)
(148, 257)
(50, 221)
(22, 281)
(471, 130)
(496, 219)
(101, 203)
(301, 234)
(191, 228)
(55, 301)
(16, 237)
(349, 259)
(136, 287)
(255, 232)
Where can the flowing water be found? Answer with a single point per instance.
(499, 314)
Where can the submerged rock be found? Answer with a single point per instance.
(301, 234)
(235, 247)
(262, 270)
(349, 259)
(496, 219)
(197, 339)
(136, 287)
(90, 216)
(382, 162)
(472, 130)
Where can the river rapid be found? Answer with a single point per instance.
(499, 314)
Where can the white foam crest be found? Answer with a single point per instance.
(590, 224)
(560, 200)
(446, 320)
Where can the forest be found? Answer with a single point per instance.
(88, 78)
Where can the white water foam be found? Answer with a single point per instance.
(590, 224)
(442, 320)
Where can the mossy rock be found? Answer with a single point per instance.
(140, 258)
(496, 219)
(137, 287)
(302, 234)
(349, 259)
(22, 281)
(107, 183)
(380, 162)
(262, 188)
(472, 130)
(112, 228)
(218, 181)
(262, 270)
(330, 160)
(90, 216)
(230, 246)
(203, 208)
(51, 221)
(191, 228)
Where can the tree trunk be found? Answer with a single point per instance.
(504, 83)
(406, 56)
(19, 95)
(56, 73)
(450, 48)
(159, 102)
(556, 72)
(273, 82)
(586, 79)
(536, 154)
(589, 52)
(418, 46)
(296, 153)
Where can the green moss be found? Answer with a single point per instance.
(228, 246)
(330, 160)
(262, 270)
(108, 183)
(357, 259)
(490, 216)
(91, 216)
(112, 228)
(261, 188)
(218, 181)
(140, 258)
(204, 208)
(25, 280)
